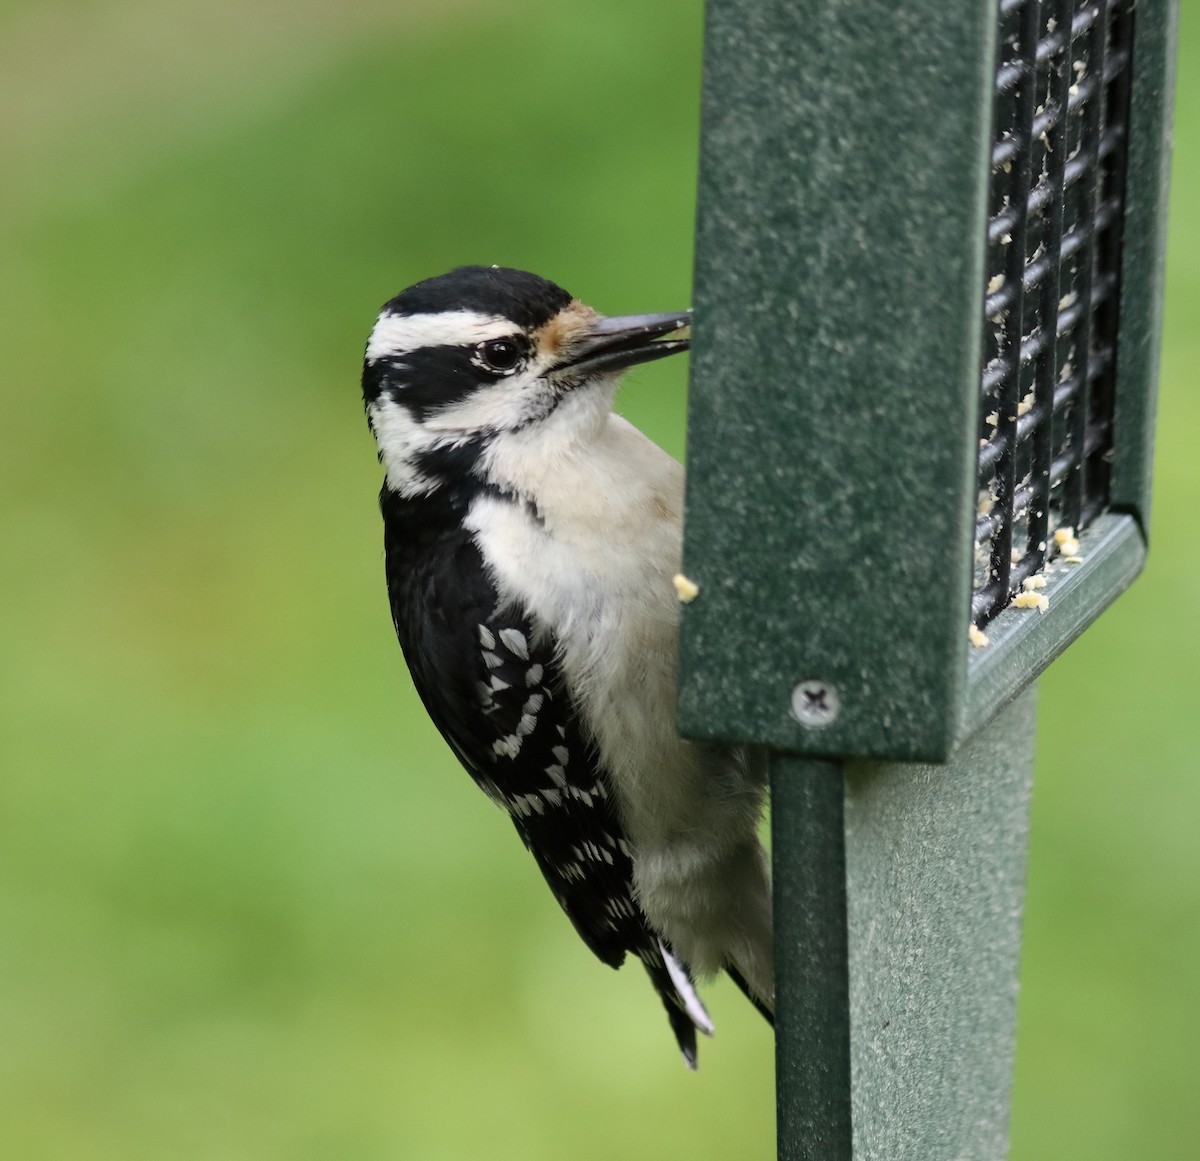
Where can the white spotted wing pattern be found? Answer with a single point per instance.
(492, 685)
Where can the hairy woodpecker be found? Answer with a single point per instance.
(531, 538)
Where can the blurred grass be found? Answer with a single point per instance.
(249, 908)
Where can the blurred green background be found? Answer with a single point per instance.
(249, 907)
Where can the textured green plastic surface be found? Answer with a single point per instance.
(812, 1005)
(935, 878)
(898, 893)
(832, 416)
(1144, 250)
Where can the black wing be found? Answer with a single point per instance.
(492, 685)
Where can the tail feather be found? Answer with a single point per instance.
(685, 1011)
(677, 990)
(739, 979)
(685, 1033)
(685, 989)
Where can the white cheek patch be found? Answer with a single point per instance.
(497, 406)
(395, 334)
(401, 440)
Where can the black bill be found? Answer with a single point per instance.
(612, 344)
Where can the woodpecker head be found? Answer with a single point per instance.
(484, 357)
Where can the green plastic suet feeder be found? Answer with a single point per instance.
(927, 310)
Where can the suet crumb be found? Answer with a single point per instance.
(977, 636)
(1028, 600)
(687, 590)
(1068, 545)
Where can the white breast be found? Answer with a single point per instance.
(593, 563)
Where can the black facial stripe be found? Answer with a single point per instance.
(453, 468)
(494, 290)
(375, 377)
(450, 462)
(428, 379)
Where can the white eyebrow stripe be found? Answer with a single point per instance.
(394, 334)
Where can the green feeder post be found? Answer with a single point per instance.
(928, 290)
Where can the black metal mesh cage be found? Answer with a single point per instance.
(1053, 270)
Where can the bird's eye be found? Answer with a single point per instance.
(500, 355)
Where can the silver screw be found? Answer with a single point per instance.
(815, 703)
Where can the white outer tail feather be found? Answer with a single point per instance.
(692, 1004)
